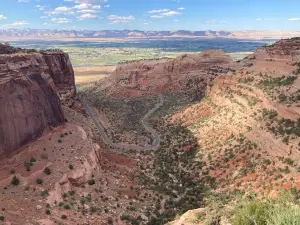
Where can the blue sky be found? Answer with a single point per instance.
(151, 14)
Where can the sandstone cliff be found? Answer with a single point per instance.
(186, 72)
(31, 86)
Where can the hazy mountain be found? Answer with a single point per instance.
(45, 33)
(105, 33)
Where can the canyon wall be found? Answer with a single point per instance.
(184, 73)
(32, 85)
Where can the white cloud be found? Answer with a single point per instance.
(260, 19)
(86, 16)
(25, 1)
(120, 19)
(19, 23)
(40, 7)
(96, 7)
(106, 6)
(159, 10)
(294, 19)
(171, 13)
(166, 14)
(60, 20)
(15, 24)
(181, 8)
(61, 10)
(87, 1)
(82, 6)
(87, 8)
(2, 17)
(87, 11)
(175, 20)
(157, 16)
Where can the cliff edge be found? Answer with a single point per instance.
(32, 85)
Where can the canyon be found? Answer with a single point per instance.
(225, 128)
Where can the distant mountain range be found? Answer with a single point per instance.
(107, 33)
(40, 33)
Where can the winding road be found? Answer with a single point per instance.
(156, 139)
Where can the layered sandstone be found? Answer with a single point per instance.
(31, 86)
(189, 71)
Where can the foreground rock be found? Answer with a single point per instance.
(31, 86)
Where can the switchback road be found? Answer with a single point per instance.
(156, 139)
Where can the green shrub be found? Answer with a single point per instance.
(91, 182)
(2, 218)
(71, 167)
(64, 217)
(39, 181)
(44, 193)
(250, 212)
(15, 181)
(67, 207)
(48, 212)
(32, 160)
(12, 171)
(110, 220)
(27, 188)
(284, 216)
(47, 171)
(28, 165)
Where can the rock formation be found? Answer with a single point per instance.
(31, 86)
(186, 72)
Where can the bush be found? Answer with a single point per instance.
(282, 211)
(47, 171)
(125, 217)
(251, 213)
(64, 217)
(27, 188)
(39, 181)
(2, 218)
(28, 165)
(67, 207)
(71, 167)
(32, 160)
(91, 182)
(284, 216)
(15, 181)
(110, 220)
(44, 193)
(12, 171)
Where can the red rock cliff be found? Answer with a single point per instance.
(156, 76)
(31, 85)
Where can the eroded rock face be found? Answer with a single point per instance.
(60, 69)
(31, 85)
(186, 72)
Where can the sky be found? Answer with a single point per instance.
(151, 14)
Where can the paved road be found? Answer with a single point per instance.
(156, 139)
